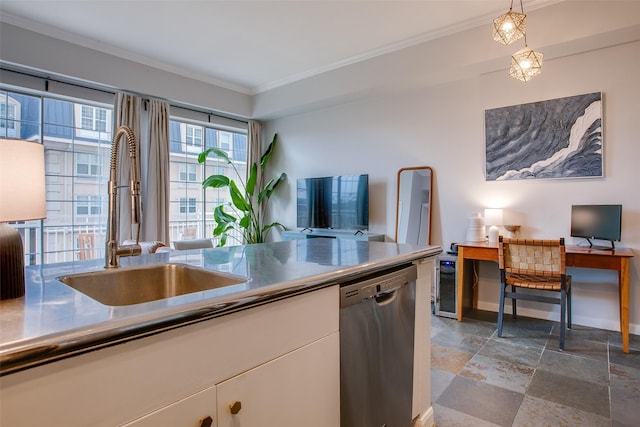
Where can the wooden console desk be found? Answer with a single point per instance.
(618, 260)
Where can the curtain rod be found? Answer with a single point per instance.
(110, 90)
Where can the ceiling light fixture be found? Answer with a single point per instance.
(510, 26)
(526, 63)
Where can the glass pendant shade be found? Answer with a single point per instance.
(526, 64)
(509, 27)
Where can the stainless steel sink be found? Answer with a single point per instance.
(127, 286)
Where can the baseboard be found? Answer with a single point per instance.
(607, 324)
(425, 420)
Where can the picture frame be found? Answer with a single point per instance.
(558, 138)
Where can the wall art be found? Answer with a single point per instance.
(558, 138)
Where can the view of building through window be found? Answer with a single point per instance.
(77, 139)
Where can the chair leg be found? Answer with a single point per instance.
(569, 308)
(501, 309)
(563, 314)
(513, 304)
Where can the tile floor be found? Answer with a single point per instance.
(478, 379)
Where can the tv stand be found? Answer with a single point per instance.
(332, 234)
(605, 248)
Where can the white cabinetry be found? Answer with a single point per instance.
(297, 389)
(196, 410)
(174, 375)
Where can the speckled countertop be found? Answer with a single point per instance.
(53, 321)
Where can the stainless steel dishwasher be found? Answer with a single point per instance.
(377, 324)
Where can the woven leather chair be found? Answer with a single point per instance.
(539, 265)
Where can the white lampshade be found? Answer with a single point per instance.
(494, 218)
(22, 194)
(22, 197)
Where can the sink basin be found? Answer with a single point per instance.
(127, 286)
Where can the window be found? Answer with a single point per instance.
(75, 166)
(94, 118)
(88, 164)
(7, 116)
(188, 172)
(88, 205)
(191, 206)
(188, 205)
(194, 136)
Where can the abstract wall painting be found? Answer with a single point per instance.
(558, 138)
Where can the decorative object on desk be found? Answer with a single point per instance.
(512, 229)
(248, 202)
(413, 207)
(559, 138)
(539, 265)
(510, 26)
(475, 228)
(493, 218)
(22, 197)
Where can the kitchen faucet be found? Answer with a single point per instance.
(113, 250)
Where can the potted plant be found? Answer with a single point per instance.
(248, 201)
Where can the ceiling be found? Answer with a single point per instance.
(250, 46)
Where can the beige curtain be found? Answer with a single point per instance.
(126, 113)
(155, 224)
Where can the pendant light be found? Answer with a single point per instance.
(510, 26)
(526, 63)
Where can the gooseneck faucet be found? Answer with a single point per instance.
(113, 250)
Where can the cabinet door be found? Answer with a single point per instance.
(197, 410)
(301, 388)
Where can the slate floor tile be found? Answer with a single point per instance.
(575, 366)
(448, 359)
(625, 395)
(447, 417)
(471, 397)
(511, 352)
(536, 412)
(579, 394)
(500, 373)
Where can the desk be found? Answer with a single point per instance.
(618, 260)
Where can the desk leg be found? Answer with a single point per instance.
(623, 280)
(460, 283)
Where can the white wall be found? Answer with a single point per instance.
(443, 127)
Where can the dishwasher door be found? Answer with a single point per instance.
(377, 324)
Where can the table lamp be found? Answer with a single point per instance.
(494, 218)
(22, 197)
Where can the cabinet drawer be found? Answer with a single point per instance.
(188, 412)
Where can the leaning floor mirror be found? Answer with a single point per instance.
(413, 207)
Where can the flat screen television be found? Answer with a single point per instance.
(602, 222)
(336, 202)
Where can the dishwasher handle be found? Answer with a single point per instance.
(387, 297)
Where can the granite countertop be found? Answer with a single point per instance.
(53, 321)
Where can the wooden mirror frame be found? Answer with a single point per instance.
(429, 201)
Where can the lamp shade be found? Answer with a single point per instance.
(493, 217)
(22, 194)
(22, 197)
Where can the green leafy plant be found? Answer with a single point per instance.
(248, 202)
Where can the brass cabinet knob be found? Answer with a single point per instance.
(235, 407)
(206, 422)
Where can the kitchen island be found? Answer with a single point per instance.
(273, 338)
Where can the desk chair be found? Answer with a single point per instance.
(534, 264)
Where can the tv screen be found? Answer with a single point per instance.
(602, 222)
(337, 202)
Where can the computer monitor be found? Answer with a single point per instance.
(603, 222)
